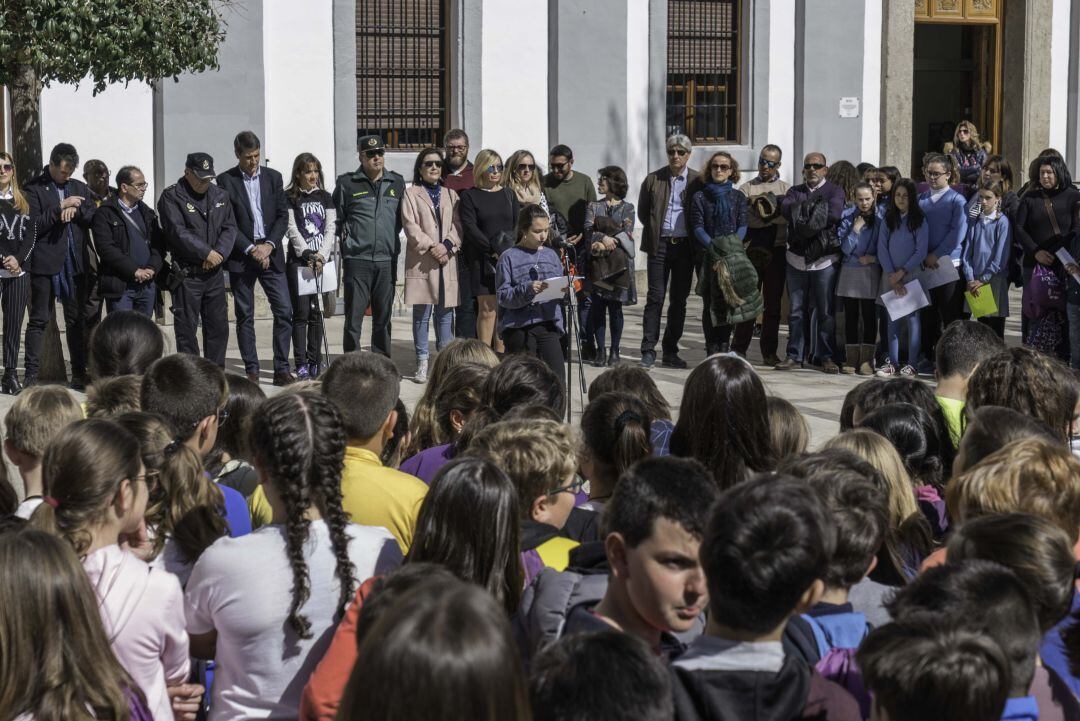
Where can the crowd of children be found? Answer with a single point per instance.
(184, 548)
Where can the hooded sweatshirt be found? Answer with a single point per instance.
(721, 680)
(142, 609)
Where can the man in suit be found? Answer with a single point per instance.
(62, 209)
(199, 229)
(262, 217)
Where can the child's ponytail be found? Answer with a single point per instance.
(617, 431)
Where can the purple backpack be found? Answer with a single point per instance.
(1045, 292)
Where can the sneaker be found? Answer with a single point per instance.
(672, 360)
(648, 359)
(888, 370)
(302, 372)
(788, 364)
(421, 371)
(770, 360)
(909, 372)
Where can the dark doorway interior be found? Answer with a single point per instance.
(955, 79)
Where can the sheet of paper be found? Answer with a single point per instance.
(900, 306)
(554, 291)
(945, 272)
(983, 304)
(1066, 258)
(5, 273)
(305, 279)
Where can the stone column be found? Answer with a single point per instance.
(1025, 114)
(897, 82)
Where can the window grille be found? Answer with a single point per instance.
(704, 70)
(401, 71)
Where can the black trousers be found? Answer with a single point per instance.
(673, 262)
(854, 308)
(14, 296)
(202, 296)
(946, 305)
(277, 293)
(368, 283)
(465, 313)
(306, 320)
(544, 340)
(42, 306)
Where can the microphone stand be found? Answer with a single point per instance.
(570, 315)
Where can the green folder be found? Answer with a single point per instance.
(982, 304)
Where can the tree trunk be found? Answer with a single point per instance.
(26, 138)
(26, 121)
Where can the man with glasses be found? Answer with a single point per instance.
(766, 237)
(663, 204)
(458, 171)
(129, 241)
(368, 204)
(811, 281)
(569, 193)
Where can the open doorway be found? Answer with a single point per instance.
(957, 77)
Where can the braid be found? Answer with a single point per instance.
(329, 442)
(300, 439)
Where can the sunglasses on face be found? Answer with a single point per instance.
(432, 163)
(963, 131)
(768, 163)
(497, 168)
(813, 166)
(721, 166)
(6, 167)
(374, 153)
(558, 166)
(676, 151)
(526, 166)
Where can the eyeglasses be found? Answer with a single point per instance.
(558, 166)
(456, 148)
(6, 168)
(526, 166)
(768, 163)
(374, 153)
(676, 151)
(138, 186)
(432, 163)
(813, 166)
(721, 166)
(497, 168)
(933, 176)
(574, 487)
(963, 131)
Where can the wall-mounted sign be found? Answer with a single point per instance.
(849, 107)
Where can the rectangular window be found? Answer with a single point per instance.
(704, 70)
(401, 71)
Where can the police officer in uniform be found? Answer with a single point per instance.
(368, 204)
(200, 230)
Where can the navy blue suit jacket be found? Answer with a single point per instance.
(275, 212)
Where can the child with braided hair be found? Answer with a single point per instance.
(263, 605)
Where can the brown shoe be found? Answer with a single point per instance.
(829, 367)
(284, 378)
(788, 364)
(253, 377)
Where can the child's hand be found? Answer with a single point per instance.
(931, 261)
(973, 287)
(538, 286)
(859, 224)
(897, 276)
(1072, 269)
(900, 289)
(867, 259)
(186, 700)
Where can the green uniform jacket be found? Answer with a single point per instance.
(728, 283)
(369, 216)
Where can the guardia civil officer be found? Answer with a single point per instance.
(200, 230)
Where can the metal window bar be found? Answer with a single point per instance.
(401, 71)
(703, 69)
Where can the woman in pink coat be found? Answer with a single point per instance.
(433, 235)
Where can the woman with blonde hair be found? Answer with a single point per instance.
(968, 152)
(909, 538)
(488, 213)
(523, 178)
(17, 236)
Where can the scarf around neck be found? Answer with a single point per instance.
(721, 197)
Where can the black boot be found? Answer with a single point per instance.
(613, 357)
(598, 357)
(9, 384)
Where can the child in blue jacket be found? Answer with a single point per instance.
(985, 260)
(901, 249)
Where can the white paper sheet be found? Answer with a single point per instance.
(554, 291)
(945, 272)
(1066, 257)
(900, 306)
(4, 273)
(305, 279)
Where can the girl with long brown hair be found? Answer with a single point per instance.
(98, 491)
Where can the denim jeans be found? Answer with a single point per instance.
(808, 291)
(137, 298)
(444, 327)
(914, 328)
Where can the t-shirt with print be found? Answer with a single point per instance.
(242, 588)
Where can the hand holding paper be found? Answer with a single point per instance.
(555, 289)
(900, 305)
